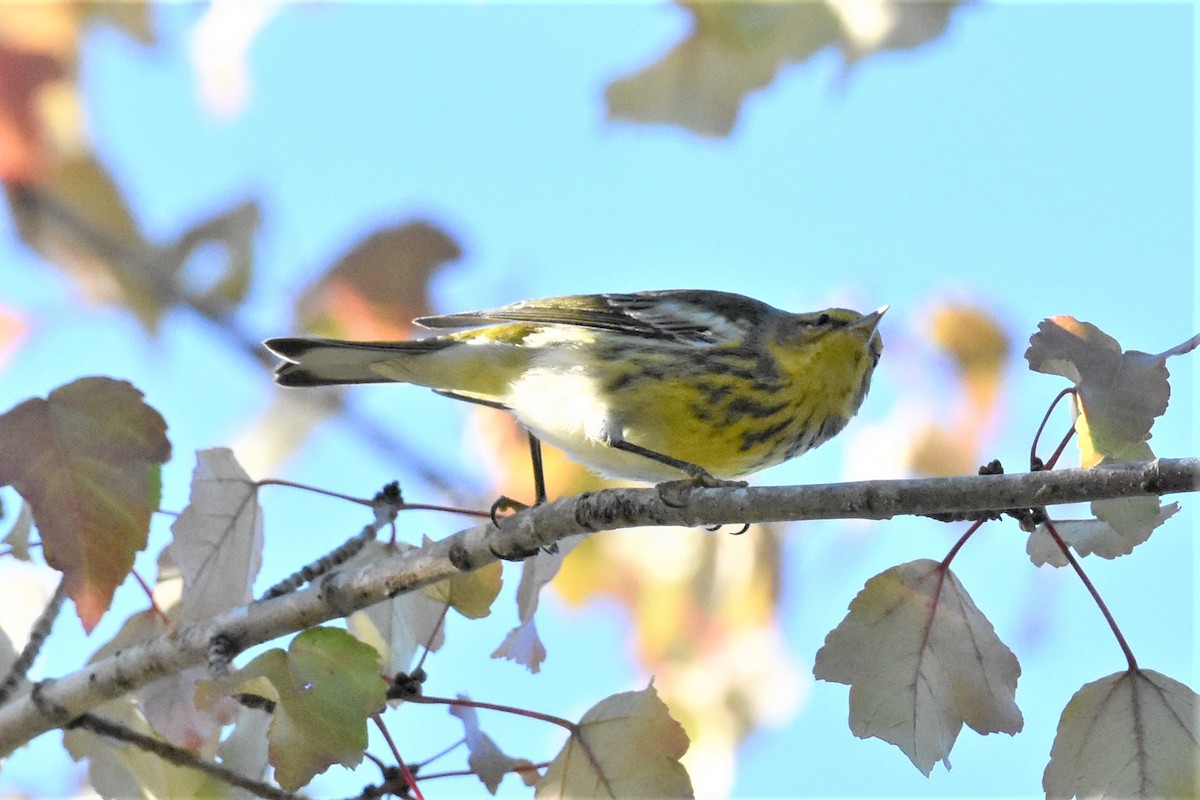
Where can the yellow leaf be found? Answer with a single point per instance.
(627, 745)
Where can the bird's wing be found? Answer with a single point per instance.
(686, 315)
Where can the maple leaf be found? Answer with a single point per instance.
(218, 538)
(1119, 393)
(1130, 735)
(921, 659)
(627, 745)
(486, 759)
(324, 688)
(88, 459)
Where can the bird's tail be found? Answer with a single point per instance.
(329, 362)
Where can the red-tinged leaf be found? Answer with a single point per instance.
(377, 289)
(522, 643)
(627, 745)
(1118, 393)
(486, 759)
(325, 687)
(921, 659)
(24, 145)
(88, 460)
(218, 538)
(1129, 735)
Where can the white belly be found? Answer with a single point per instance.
(562, 408)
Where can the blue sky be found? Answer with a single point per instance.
(1037, 159)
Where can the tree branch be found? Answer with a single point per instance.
(53, 704)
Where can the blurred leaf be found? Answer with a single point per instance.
(77, 220)
(921, 659)
(1118, 393)
(375, 291)
(736, 48)
(975, 342)
(486, 759)
(220, 42)
(218, 539)
(398, 627)
(325, 686)
(627, 745)
(88, 460)
(132, 17)
(1129, 735)
(18, 535)
(233, 231)
(732, 49)
(25, 151)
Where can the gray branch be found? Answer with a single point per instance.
(53, 704)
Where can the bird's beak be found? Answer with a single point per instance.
(869, 321)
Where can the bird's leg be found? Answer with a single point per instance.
(505, 503)
(673, 493)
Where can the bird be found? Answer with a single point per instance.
(652, 386)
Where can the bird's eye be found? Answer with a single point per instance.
(822, 319)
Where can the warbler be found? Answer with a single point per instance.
(649, 386)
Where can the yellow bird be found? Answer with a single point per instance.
(647, 386)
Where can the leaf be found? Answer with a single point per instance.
(377, 289)
(1118, 393)
(25, 149)
(1129, 735)
(88, 460)
(486, 759)
(522, 643)
(921, 659)
(233, 231)
(734, 49)
(398, 627)
(218, 538)
(325, 687)
(1120, 526)
(18, 535)
(471, 593)
(627, 745)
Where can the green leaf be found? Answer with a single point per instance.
(88, 461)
(325, 687)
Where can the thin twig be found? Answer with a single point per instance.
(37, 637)
(179, 756)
